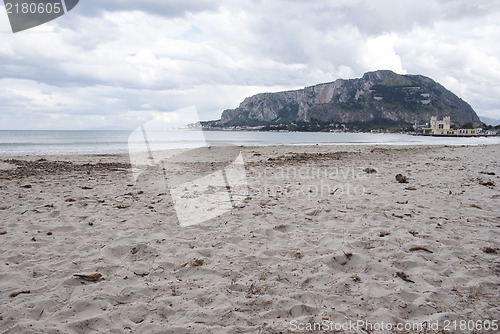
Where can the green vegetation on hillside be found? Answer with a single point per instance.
(288, 113)
(315, 126)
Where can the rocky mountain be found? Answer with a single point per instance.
(377, 97)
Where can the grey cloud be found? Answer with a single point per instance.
(166, 8)
(371, 17)
(263, 44)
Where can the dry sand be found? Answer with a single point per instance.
(321, 239)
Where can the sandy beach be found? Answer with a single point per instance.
(322, 238)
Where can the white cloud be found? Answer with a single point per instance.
(378, 53)
(106, 60)
(460, 55)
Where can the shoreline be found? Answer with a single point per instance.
(320, 232)
(248, 147)
(117, 144)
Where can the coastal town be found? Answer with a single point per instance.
(435, 127)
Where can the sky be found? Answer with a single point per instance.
(116, 64)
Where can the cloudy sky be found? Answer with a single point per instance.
(117, 63)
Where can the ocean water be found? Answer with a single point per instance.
(100, 142)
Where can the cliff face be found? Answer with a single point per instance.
(377, 95)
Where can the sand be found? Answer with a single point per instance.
(323, 236)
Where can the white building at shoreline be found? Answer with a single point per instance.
(443, 128)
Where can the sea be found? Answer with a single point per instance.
(38, 142)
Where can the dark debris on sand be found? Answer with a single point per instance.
(303, 158)
(44, 167)
(401, 178)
